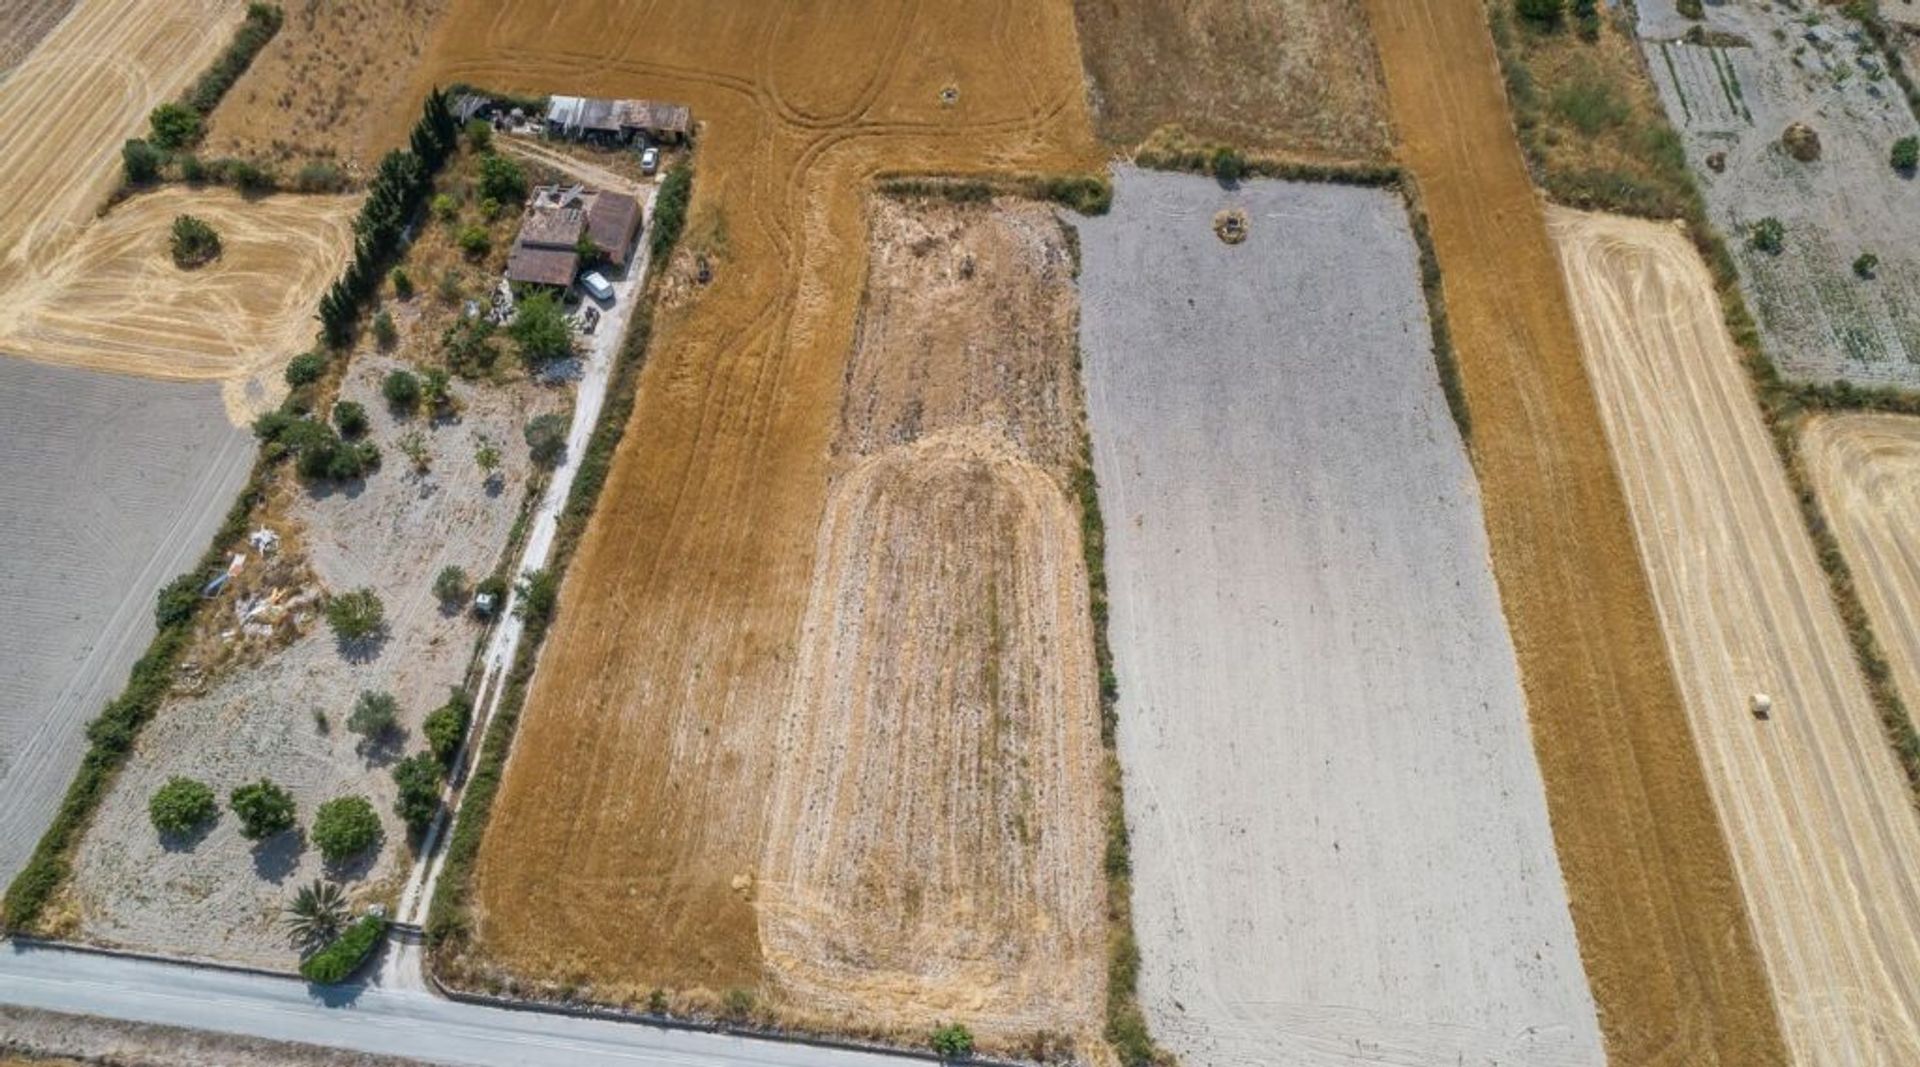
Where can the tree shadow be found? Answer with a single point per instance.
(275, 858)
(188, 840)
(361, 650)
(328, 488)
(382, 749)
(357, 866)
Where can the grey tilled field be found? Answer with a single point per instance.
(109, 486)
(1340, 840)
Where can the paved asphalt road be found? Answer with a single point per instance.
(365, 1019)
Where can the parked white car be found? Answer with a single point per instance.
(649, 161)
(596, 286)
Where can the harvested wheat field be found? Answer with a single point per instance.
(1295, 76)
(627, 840)
(935, 835)
(1340, 844)
(1866, 470)
(1663, 929)
(1815, 808)
(113, 300)
(313, 93)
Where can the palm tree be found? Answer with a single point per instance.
(317, 913)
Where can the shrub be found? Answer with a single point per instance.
(345, 827)
(450, 287)
(320, 177)
(375, 715)
(468, 348)
(318, 911)
(402, 284)
(174, 126)
(262, 22)
(1693, 9)
(248, 176)
(738, 1004)
(1768, 235)
(474, 240)
(952, 1042)
(444, 207)
(384, 332)
(1906, 154)
(322, 455)
(445, 726)
(181, 805)
(140, 161)
(1865, 265)
(540, 328)
(486, 456)
(539, 595)
(192, 171)
(502, 179)
(264, 809)
(1589, 103)
(547, 439)
(350, 418)
(194, 242)
(450, 585)
(670, 211)
(436, 390)
(1228, 165)
(177, 599)
(305, 369)
(345, 954)
(402, 390)
(479, 135)
(356, 616)
(1544, 14)
(419, 777)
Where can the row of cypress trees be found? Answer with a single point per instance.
(399, 187)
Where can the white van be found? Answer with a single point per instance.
(596, 286)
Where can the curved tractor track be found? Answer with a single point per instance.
(626, 846)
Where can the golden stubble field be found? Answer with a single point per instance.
(627, 843)
(101, 293)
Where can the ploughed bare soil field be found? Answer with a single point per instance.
(1663, 928)
(935, 834)
(635, 813)
(1866, 469)
(1295, 76)
(23, 23)
(262, 697)
(102, 293)
(310, 94)
(1816, 810)
(108, 488)
(1769, 66)
(1340, 842)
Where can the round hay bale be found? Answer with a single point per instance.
(1230, 225)
(1801, 142)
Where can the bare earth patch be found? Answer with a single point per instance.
(1340, 843)
(1293, 76)
(935, 831)
(221, 896)
(1816, 811)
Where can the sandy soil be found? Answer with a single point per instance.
(102, 294)
(1663, 929)
(1818, 320)
(22, 25)
(1333, 863)
(1816, 810)
(108, 488)
(109, 1041)
(221, 896)
(1866, 469)
(640, 786)
(313, 92)
(1298, 76)
(113, 300)
(934, 842)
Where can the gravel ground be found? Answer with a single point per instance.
(221, 896)
(109, 487)
(1340, 839)
(1819, 320)
(108, 1041)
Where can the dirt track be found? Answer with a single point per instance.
(639, 790)
(1662, 928)
(1866, 469)
(1816, 811)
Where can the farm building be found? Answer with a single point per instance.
(583, 118)
(559, 221)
